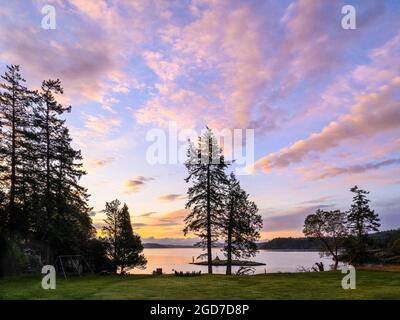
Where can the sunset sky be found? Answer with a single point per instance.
(324, 101)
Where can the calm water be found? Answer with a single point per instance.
(276, 261)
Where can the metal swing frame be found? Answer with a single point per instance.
(72, 258)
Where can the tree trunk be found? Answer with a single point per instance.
(209, 238)
(11, 217)
(115, 258)
(48, 252)
(48, 214)
(229, 242)
(229, 253)
(336, 263)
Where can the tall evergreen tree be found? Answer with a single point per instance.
(241, 224)
(70, 222)
(111, 231)
(205, 165)
(39, 170)
(124, 247)
(15, 110)
(52, 131)
(361, 220)
(130, 244)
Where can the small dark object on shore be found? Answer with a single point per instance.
(244, 271)
(157, 272)
(318, 267)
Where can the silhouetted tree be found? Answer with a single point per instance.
(124, 247)
(3, 239)
(15, 103)
(361, 220)
(330, 228)
(111, 230)
(96, 253)
(39, 170)
(205, 165)
(51, 132)
(241, 224)
(130, 244)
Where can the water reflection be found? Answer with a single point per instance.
(276, 261)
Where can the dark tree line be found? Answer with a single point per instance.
(42, 204)
(219, 207)
(291, 243)
(41, 200)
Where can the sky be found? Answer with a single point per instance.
(323, 101)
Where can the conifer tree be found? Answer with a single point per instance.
(205, 165)
(111, 230)
(361, 220)
(15, 110)
(40, 170)
(124, 248)
(241, 224)
(130, 244)
(51, 131)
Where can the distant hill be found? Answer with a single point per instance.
(162, 246)
(384, 239)
(275, 244)
(290, 244)
(380, 238)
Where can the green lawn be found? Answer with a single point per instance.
(326, 285)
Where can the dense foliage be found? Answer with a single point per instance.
(206, 165)
(42, 205)
(330, 228)
(220, 209)
(361, 220)
(123, 247)
(240, 224)
(291, 244)
(347, 236)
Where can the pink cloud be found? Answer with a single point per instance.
(172, 197)
(135, 184)
(88, 51)
(234, 52)
(355, 169)
(373, 113)
(100, 124)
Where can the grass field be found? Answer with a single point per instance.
(326, 285)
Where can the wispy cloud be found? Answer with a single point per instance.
(374, 112)
(356, 169)
(101, 124)
(136, 184)
(172, 197)
(291, 219)
(148, 214)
